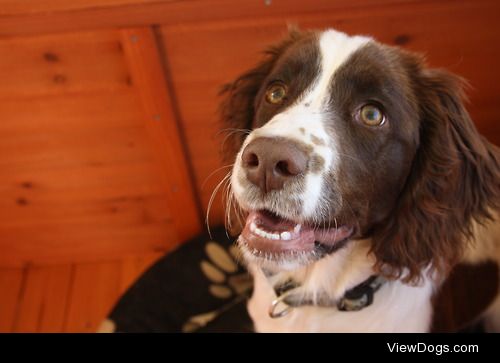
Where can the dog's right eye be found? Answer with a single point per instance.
(276, 93)
(371, 115)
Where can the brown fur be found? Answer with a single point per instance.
(455, 179)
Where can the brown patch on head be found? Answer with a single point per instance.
(373, 162)
(317, 141)
(243, 96)
(302, 130)
(305, 148)
(316, 163)
(455, 179)
(297, 68)
(417, 183)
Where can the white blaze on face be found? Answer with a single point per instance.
(305, 119)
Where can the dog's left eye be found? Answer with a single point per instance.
(371, 115)
(276, 93)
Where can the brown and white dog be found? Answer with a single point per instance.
(357, 163)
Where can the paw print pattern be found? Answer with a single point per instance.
(226, 283)
(221, 271)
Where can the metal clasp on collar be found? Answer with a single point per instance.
(274, 305)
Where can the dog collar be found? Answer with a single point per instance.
(355, 299)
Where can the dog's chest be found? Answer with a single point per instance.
(396, 308)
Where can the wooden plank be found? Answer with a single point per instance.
(174, 12)
(94, 291)
(75, 111)
(11, 283)
(66, 297)
(88, 172)
(453, 35)
(16, 7)
(42, 305)
(63, 63)
(103, 243)
(144, 62)
(71, 147)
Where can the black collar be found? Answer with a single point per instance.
(355, 299)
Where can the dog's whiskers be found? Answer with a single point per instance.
(214, 172)
(231, 133)
(212, 197)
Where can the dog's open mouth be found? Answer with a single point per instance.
(267, 234)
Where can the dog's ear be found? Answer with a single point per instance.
(237, 108)
(454, 180)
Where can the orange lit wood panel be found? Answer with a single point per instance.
(463, 36)
(91, 165)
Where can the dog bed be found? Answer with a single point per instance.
(199, 287)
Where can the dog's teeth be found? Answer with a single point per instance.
(253, 227)
(286, 236)
(297, 228)
(275, 236)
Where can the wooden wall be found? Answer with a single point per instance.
(91, 165)
(109, 135)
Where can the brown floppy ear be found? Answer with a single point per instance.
(454, 180)
(237, 109)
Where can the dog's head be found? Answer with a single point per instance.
(349, 138)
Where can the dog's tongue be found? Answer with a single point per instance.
(266, 232)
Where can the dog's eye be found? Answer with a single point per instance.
(371, 115)
(275, 94)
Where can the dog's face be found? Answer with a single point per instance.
(336, 125)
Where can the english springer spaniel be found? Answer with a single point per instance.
(362, 179)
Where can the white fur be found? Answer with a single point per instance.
(335, 48)
(397, 307)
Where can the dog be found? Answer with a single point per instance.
(363, 181)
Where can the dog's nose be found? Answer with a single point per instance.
(269, 162)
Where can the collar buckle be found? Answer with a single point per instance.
(355, 299)
(273, 314)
